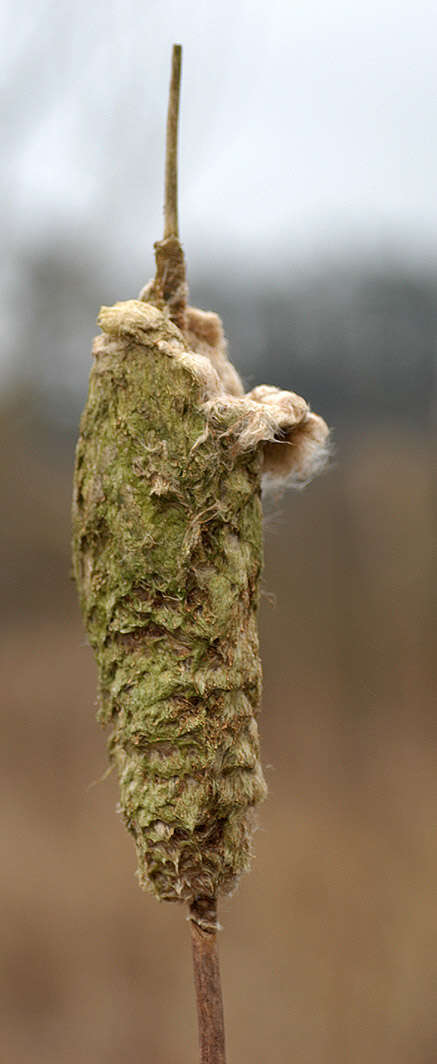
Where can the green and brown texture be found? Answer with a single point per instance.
(167, 558)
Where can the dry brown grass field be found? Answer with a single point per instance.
(329, 947)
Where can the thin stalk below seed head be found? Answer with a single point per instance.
(207, 984)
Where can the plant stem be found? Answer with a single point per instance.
(203, 916)
(169, 288)
(171, 158)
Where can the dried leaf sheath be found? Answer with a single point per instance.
(167, 558)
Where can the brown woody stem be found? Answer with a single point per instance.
(169, 289)
(203, 916)
(171, 158)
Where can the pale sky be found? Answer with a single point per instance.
(307, 127)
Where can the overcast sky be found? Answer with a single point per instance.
(307, 126)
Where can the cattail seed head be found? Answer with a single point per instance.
(167, 545)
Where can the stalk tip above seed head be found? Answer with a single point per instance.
(169, 288)
(171, 227)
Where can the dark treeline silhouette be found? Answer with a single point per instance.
(360, 344)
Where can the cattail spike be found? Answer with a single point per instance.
(167, 546)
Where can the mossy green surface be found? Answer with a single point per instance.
(167, 543)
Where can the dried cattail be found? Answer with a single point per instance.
(167, 558)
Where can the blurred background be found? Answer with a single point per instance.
(308, 168)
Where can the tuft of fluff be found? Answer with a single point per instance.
(299, 447)
(204, 334)
(294, 440)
